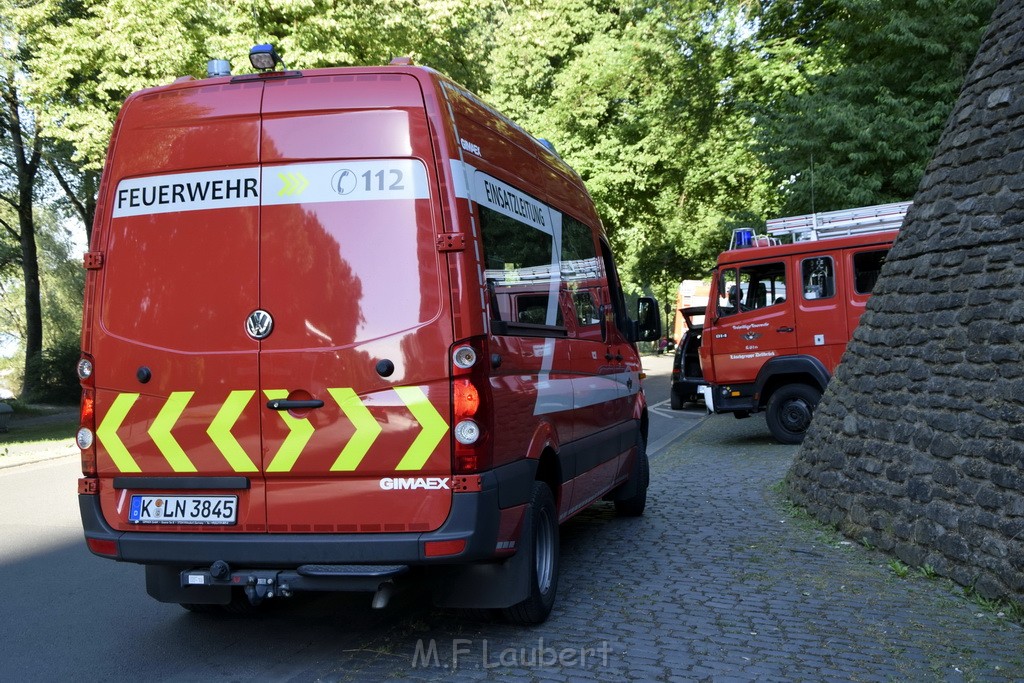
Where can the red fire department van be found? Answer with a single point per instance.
(345, 327)
(779, 316)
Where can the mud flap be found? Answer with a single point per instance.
(489, 584)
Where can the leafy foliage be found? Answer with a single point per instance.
(881, 79)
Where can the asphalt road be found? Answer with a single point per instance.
(666, 425)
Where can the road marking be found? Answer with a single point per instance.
(693, 418)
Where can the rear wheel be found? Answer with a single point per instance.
(677, 400)
(634, 505)
(790, 410)
(544, 573)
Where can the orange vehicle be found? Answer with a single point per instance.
(780, 315)
(346, 327)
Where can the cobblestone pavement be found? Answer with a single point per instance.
(719, 581)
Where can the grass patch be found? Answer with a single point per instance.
(32, 425)
(63, 430)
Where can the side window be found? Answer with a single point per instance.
(752, 288)
(729, 294)
(819, 277)
(615, 296)
(532, 309)
(521, 271)
(587, 309)
(539, 268)
(583, 275)
(866, 267)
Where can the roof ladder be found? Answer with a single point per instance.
(862, 221)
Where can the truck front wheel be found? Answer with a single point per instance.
(790, 410)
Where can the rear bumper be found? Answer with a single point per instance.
(474, 518)
(688, 388)
(745, 402)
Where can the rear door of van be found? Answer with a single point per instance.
(175, 374)
(352, 278)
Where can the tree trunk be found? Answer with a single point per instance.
(26, 148)
(33, 307)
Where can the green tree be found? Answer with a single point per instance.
(89, 55)
(881, 77)
(61, 282)
(20, 157)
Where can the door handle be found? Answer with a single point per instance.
(285, 404)
(629, 383)
(618, 357)
(784, 329)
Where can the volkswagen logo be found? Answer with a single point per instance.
(259, 324)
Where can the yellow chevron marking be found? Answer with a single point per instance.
(367, 430)
(220, 431)
(107, 433)
(434, 428)
(299, 432)
(160, 431)
(292, 184)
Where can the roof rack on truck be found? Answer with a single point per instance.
(862, 221)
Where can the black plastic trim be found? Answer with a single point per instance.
(515, 482)
(473, 517)
(587, 453)
(732, 404)
(792, 365)
(513, 329)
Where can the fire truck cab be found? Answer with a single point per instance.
(345, 327)
(779, 316)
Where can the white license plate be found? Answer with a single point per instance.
(183, 509)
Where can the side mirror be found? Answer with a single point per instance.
(648, 317)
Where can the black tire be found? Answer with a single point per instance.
(677, 400)
(634, 505)
(544, 572)
(790, 410)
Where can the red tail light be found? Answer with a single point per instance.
(86, 437)
(467, 398)
(472, 416)
(102, 546)
(443, 548)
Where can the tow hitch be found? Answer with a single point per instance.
(263, 584)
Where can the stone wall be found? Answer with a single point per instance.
(918, 444)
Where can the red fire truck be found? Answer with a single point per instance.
(346, 327)
(780, 315)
